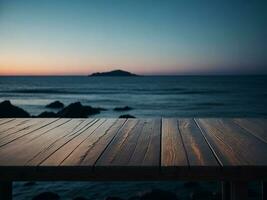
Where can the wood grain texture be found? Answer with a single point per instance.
(232, 144)
(57, 138)
(67, 148)
(6, 120)
(198, 151)
(133, 149)
(23, 148)
(9, 126)
(147, 151)
(87, 153)
(172, 148)
(257, 127)
(11, 136)
(119, 152)
(23, 126)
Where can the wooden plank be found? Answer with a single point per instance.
(147, 150)
(27, 128)
(119, 152)
(12, 125)
(28, 124)
(22, 149)
(172, 149)
(257, 127)
(64, 151)
(87, 153)
(58, 138)
(27, 135)
(119, 149)
(198, 151)
(233, 145)
(6, 120)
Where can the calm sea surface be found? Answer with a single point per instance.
(181, 96)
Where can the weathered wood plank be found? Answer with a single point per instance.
(57, 138)
(198, 151)
(257, 127)
(147, 150)
(9, 126)
(233, 145)
(119, 152)
(172, 148)
(6, 120)
(87, 153)
(67, 148)
(20, 150)
(25, 129)
(119, 149)
(22, 137)
(23, 125)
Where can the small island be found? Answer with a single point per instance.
(114, 73)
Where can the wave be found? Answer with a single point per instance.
(152, 91)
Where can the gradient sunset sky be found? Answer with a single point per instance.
(50, 37)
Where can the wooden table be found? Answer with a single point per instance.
(233, 151)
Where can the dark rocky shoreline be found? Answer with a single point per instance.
(73, 110)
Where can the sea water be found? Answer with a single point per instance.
(149, 96)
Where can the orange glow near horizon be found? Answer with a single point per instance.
(36, 66)
(45, 71)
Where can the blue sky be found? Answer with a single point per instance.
(147, 37)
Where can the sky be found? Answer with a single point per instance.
(161, 37)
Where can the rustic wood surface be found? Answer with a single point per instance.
(133, 149)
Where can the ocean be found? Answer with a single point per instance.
(149, 96)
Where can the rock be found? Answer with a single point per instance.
(55, 104)
(46, 196)
(77, 110)
(126, 116)
(125, 108)
(158, 195)
(191, 184)
(28, 184)
(47, 115)
(9, 110)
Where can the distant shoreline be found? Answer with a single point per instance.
(139, 76)
(114, 73)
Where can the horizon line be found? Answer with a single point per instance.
(140, 75)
